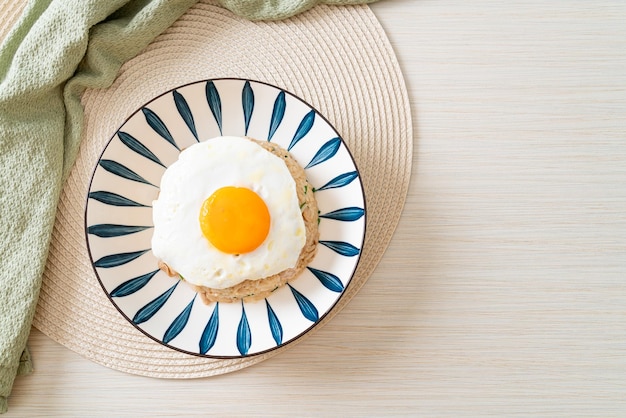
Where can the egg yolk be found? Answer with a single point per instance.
(235, 220)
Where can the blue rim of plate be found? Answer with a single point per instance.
(161, 307)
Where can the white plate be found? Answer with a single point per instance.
(118, 221)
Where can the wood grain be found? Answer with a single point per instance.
(504, 289)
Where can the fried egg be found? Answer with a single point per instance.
(227, 211)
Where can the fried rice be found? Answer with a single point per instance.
(251, 290)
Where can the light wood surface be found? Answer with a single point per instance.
(504, 289)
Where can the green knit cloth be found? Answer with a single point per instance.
(57, 50)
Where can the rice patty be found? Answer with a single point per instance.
(252, 290)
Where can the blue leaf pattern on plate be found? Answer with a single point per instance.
(340, 181)
(131, 286)
(277, 114)
(132, 143)
(275, 327)
(303, 129)
(329, 280)
(244, 336)
(159, 127)
(185, 112)
(342, 248)
(114, 199)
(215, 103)
(112, 230)
(123, 171)
(179, 323)
(327, 152)
(115, 260)
(209, 335)
(153, 307)
(247, 101)
(306, 306)
(141, 295)
(350, 214)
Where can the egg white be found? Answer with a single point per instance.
(199, 171)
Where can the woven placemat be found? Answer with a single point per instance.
(338, 59)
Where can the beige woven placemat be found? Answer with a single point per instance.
(336, 58)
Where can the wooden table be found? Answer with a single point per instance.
(504, 289)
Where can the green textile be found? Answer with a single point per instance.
(57, 50)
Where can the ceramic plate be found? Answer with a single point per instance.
(118, 217)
